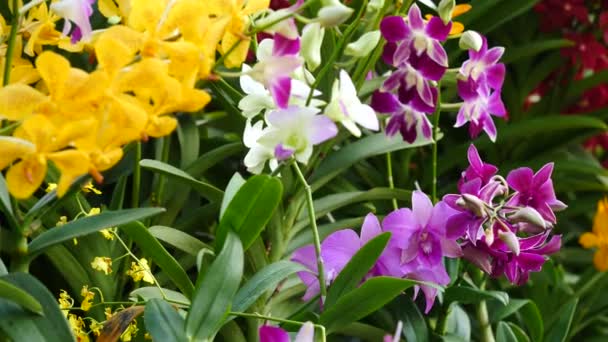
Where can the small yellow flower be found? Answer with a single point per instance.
(62, 220)
(130, 332)
(77, 325)
(598, 238)
(103, 264)
(89, 187)
(88, 298)
(108, 312)
(95, 327)
(65, 302)
(50, 187)
(94, 211)
(141, 271)
(108, 233)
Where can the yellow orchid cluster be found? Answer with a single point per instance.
(147, 69)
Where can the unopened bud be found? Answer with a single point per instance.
(489, 233)
(445, 9)
(306, 333)
(364, 45)
(528, 215)
(334, 13)
(470, 40)
(472, 203)
(375, 5)
(510, 239)
(312, 39)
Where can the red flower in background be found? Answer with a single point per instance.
(586, 50)
(557, 14)
(604, 24)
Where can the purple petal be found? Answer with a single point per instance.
(492, 56)
(496, 106)
(401, 223)
(436, 29)
(393, 81)
(438, 54)
(451, 248)
(388, 52)
(490, 128)
(393, 28)
(422, 207)
(371, 228)
(552, 246)
(394, 125)
(280, 89)
(282, 153)
(520, 179)
(478, 257)
(384, 102)
(543, 175)
(285, 46)
(338, 248)
(426, 127)
(273, 334)
(457, 225)
(495, 75)
(322, 129)
(430, 69)
(530, 262)
(467, 90)
(415, 18)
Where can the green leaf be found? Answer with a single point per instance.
(534, 321)
(533, 49)
(5, 203)
(151, 292)
(178, 239)
(364, 300)
(415, 328)
(211, 158)
(152, 248)
(504, 333)
(577, 88)
(19, 325)
(189, 140)
(265, 280)
(17, 295)
(88, 225)
(470, 295)
(501, 12)
(519, 333)
(458, 322)
(3, 269)
(163, 322)
(235, 183)
(364, 148)
(215, 291)
(206, 190)
(559, 329)
(358, 266)
(250, 209)
(504, 311)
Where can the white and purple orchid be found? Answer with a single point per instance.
(77, 12)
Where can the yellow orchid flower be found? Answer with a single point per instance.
(598, 238)
(87, 298)
(103, 264)
(22, 70)
(114, 8)
(36, 142)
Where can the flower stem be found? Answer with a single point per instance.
(389, 176)
(11, 43)
(442, 321)
(315, 230)
(487, 335)
(435, 135)
(136, 177)
(450, 107)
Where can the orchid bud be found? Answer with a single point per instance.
(489, 233)
(312, 39)
(306, 333)
(333, 13)
(528, 215)
(510, 239)
(445, 9)
(364, 45)
(470, 40)
(375, 5)
(472, 203)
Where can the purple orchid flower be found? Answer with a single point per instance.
(275, 334)
(77, 12)
(417, 36)
(477, 168)
(437, 275)
(405, 118)
(535, 190)
(482, 66)
(479, 105)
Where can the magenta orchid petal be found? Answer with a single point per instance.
(414, 17)
(284, 46)
(438, 54)
(495, 75)
(371, 228)
(436, 29)
(543, 175)
(322, 129)
(492, 56)
(393, 28)
(280, 89)
(422, 207)
(273, 334)
(384, 102)
(519, 179)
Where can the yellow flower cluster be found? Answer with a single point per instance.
(147, 69)
(598, 237)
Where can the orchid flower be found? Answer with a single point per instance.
(479, 105)
(274, 334)
(346, 108)
(77, 12)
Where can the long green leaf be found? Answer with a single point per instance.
(17, 295)
(208, 191)
(559, 329)
(178, 239)
(189, 140)
(5, 203)
(470, 295)
(415, 328)
(534, 321)
(504, 333)
(163, 322)
(88, 225)
(364, 300)
(234, 184)
(364, 148)
(357, 268)
(209, 159)
(250, 209)
(20, 325)
(215, 291)
(265, 280)
(151, 247)
(533, 49)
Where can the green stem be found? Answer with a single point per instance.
(136, 176)
(389, 176)
(11, 43)
(162, 180)
(450, 107)
(487, 335)
(435, 135)
(280, 320)
(442, 321)
(315, 230)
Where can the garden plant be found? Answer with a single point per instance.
(304, 170)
